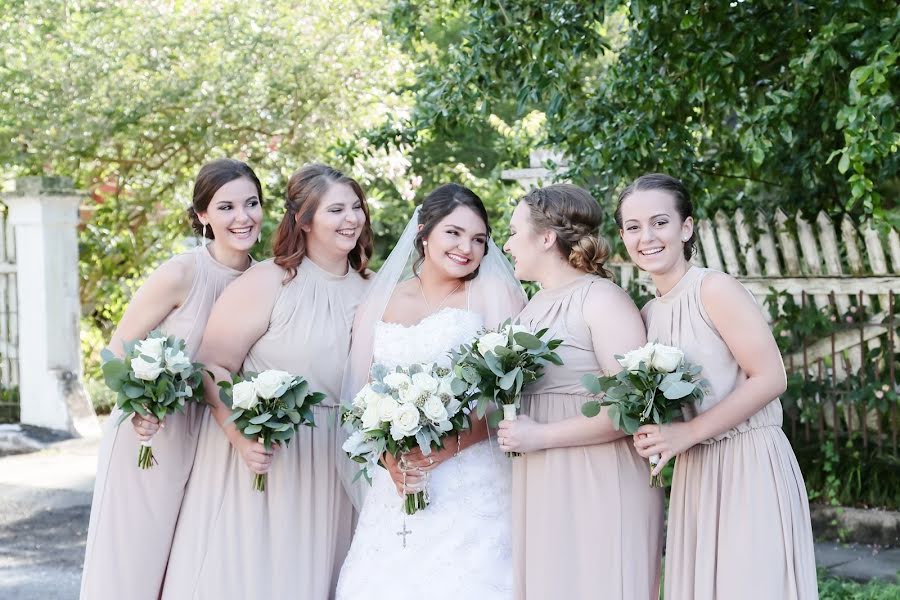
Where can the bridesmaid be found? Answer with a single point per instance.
(586, 524)
(738, 515)
(134, 511)
(292, 313)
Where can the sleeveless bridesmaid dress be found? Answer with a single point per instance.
(586, 524)
(289, 541)
(738, 523)
(134, 511)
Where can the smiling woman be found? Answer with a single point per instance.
(730, 446)
(293, 314)
(134, 511)
(586, 524)
(457, 285)
(227, 207)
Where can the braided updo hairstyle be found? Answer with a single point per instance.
(574, 215)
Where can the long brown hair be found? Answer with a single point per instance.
(304, 192)
(575, 216)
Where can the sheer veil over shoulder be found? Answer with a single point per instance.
(495, 294)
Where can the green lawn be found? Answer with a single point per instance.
(843, 589)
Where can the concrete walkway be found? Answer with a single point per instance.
(45, 498)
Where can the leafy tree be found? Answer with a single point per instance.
(130, 98)
(764, 104)
(406, 157)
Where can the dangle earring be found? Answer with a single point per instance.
(259, 237)
(205, 234)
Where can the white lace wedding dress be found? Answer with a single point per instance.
(459, 547)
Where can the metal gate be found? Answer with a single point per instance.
(9, 327)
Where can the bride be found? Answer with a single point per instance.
(444, 281)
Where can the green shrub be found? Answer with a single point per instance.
(832, 588)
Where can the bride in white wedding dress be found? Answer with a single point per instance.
(459, 546)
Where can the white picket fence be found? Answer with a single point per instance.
(827, 262)
(842, 265)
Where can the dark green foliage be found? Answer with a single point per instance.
(760, 104)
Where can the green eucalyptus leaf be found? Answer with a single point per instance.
(590, 408)
(591, 383)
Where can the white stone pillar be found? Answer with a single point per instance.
(43, 212)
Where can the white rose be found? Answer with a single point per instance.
(268, 382)
(434, 409)
(176, 360)
(386, 407)
(491, 340)
(445, 386)
(406, 421)
(370, 418)
(425, 382)
(397, 380)
(243, 395)
(666, 358)
(633, 359)
(152, 347)
(372, 397)
(148, 371)
(411, 394)
(360, 400)
(365, 397)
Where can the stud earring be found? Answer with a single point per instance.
(205, 234)
(424, 242)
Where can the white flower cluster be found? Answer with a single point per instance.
(658, 357)
(408, 402)
(267, 385)
(413, 402)
(155, 355)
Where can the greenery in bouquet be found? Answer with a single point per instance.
(654, 384)
(269, 407)
(499, 363)
(401, 409)
(155, 377)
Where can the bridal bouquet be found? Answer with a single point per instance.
(499, 363)
(269, 407)
(154, 378)
(654, 383)
(419, 405)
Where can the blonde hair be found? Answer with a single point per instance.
(574, 215)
